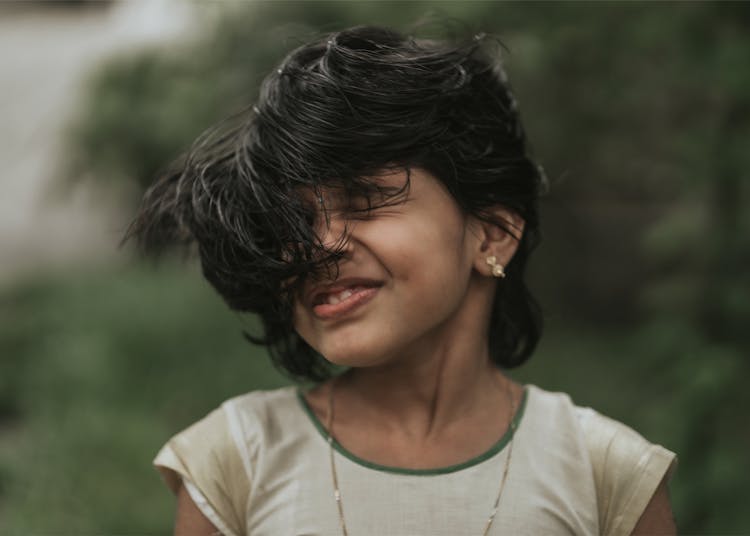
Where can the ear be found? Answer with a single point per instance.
(498, 239)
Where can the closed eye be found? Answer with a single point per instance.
(361, 214)
(362, 208)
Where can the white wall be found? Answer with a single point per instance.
(46, 52)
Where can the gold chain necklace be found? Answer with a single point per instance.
(335, 479)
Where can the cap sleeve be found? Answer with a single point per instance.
(206, 459)
(627, 471)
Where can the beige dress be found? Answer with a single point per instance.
(259, 465)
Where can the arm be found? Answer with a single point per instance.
(189, 520)
(657, 518)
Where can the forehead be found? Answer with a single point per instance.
(380, 186)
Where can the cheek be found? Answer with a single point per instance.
(302, 324)
(437, 257)
(431, 292)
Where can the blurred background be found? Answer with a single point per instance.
(640, 114)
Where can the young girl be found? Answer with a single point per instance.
(376, 208)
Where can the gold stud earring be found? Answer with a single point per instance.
(497, 269)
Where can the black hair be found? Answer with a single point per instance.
(338, 110)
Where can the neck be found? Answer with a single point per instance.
(422, 394)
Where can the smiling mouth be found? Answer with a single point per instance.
(339, 302)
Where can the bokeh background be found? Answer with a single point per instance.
(639, 112)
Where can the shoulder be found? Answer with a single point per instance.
(215, 457)
(237, 425)
(261, 408)
(553, 415)
(627, 468)
(606, 438)
(618, 450)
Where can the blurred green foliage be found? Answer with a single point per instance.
(640, 114)
(98, 369)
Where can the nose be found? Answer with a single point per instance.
(332, 228)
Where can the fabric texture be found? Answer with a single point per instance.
(259, 465)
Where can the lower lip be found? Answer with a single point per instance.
(335, 310)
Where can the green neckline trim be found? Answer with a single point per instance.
(493, 450)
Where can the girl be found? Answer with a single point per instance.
(376, 209)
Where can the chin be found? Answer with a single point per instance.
(357, 362)
(353, 359)
(361, 354)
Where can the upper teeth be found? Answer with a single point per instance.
(339, 296)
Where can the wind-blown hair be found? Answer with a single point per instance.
(337, 112)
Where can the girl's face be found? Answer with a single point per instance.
(404, 277)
